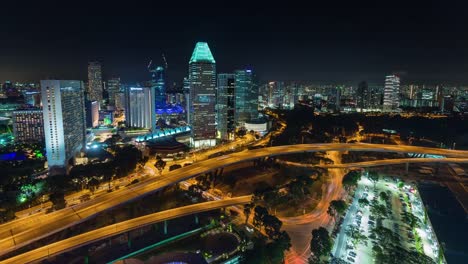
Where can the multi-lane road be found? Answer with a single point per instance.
(115, 229)
(21, 232)
(376, 163)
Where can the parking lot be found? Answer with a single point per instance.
(397, 202)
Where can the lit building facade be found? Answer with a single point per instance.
(95, 81)
(291, 95)
(246, 92)
(139, 108)
(158, 83)
(64, 121)
(113, 87)
(274, 94)
(391, 93)
(92, 114)
(186, 90)
(225, 107)
(363, 96)
(32, 98)
(28, 125)
(120, 101)
(202, 77)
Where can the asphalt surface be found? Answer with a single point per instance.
(18, 233)
(115, 229)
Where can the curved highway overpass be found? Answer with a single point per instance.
(21, 232)
(119, 228)
(376, 163)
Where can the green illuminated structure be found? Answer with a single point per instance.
(202, 53)
(202, 111)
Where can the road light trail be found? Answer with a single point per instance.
(26, 231)
(122, 227)
(376, 163)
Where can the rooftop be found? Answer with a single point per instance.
(202, 53)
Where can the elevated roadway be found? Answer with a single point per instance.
(376, 163)
(119, 228)
(21, 232)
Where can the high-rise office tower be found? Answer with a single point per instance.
(95, 81)
(64, 121)
(334, 99)
(120, 101)
(139, 108)
(92, 113)
(225, 107)
(246, 96)
(158, 83)
(363, 96)
(275, 94)
(291, 95)
(202, 76)
(391, 93)
(28, 125)
(113, 87)
(188, 105)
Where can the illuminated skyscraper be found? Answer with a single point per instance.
(64, 121)
(202, 77)
(95, 81)
(188, 104)
(363, 96)
(28, 125)
(275, 94)
(139, 108)
(225, 106)
(391, 93)
(113, 87)
(158, 83)
(246, 97)
(92, 113)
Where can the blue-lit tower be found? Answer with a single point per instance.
(159, 84)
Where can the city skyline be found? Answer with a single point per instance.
(341, 42)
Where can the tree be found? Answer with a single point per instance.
(272, 226)
(356, 235)
(247, 211)
(379, 210)
(336, 208)
(195, 191)
(126, 159)
(58, 200)
(108, 174)
(93, 184)
(299, 187)
(268, 253)
(410, 219)
(384, 196)
(321, 243)
(351, 179)
(400, 184)
(259, 215)
(7, 215)
(363, 202)
(373, 177)
(160, 164)
(277, 248)
(271, 198)
(241, 132)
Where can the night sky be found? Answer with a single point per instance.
(338, 41)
